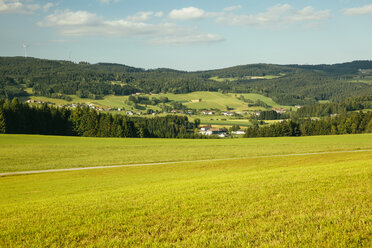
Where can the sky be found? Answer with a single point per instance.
(188, 34)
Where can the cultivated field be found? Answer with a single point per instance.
(231, 79)
(313, 200)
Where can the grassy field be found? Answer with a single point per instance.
(319, 200)
(217, 100)
(32, 152)
(367, 79)
(232, 79)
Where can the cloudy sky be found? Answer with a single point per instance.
(188, 34)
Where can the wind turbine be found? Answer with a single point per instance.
(25, 48)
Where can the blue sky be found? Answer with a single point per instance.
(187, 34)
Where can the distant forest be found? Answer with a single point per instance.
(22, 118)
(350, 123)
(297, 84)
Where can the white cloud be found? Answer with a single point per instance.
(141, 16)
(307, 14)
(189, 13)
(276, 15)
(193, 13)
(159, 14)
(69, 18)
(47, 6)
(364, 10)
(232, 8)
(82, 23)
(16, 6)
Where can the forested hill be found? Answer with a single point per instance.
(285, 84)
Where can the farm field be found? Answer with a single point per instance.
(232, 79)
(366, 80)
(314, 200)
(33, 152)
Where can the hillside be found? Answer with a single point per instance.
(285, 84)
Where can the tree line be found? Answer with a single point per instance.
(327, 109)
(349, 123)
(22, 118)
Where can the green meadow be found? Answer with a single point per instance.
(232, 79)
(314, 200)
(33, 152)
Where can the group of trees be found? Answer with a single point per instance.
(327, 109)
(270, 115)
(251, 103)
(350, 123)
(16, 117)
(145, 100)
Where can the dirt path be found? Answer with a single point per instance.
(172, 162)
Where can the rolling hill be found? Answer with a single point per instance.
(284, 84)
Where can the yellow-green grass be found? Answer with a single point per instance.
(218, 79)
(231, 79)
(265, 99)
(217, 100)
(33, 152)
(365, 79)
(304, 201)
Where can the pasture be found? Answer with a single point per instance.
(33, 152)
(313, 200)
(232, 79)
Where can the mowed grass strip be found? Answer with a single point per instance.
(35, 152)
(308, 201)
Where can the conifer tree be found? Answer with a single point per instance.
(2, 122)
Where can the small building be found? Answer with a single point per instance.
(207, 112)
(280, 110)
(130, 113)
(240, 131)
(205, 128)
(228, 113)
(221, 132)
